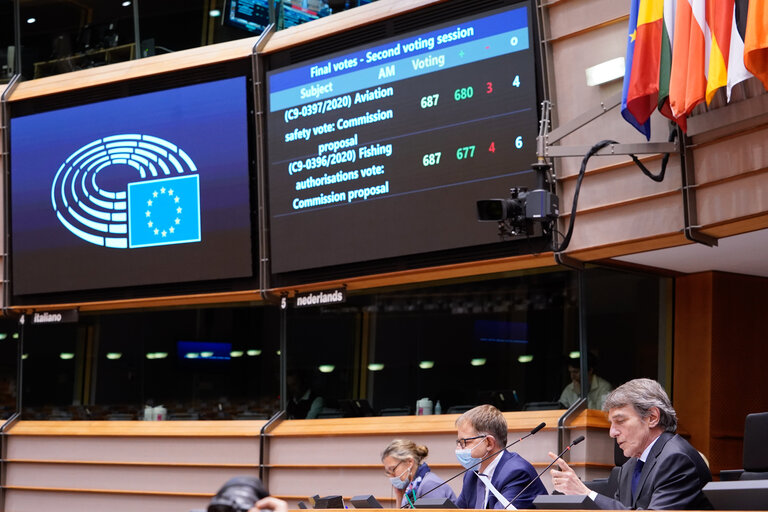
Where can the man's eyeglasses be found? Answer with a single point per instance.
(391, 471)
(462, 443)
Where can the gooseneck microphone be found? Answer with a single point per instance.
(529, 434)
(573, 443)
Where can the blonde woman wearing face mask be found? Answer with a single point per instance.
(409, 475)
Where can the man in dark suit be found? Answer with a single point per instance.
(664, 472)
(482, 431)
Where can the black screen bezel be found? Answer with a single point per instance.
(418, 20)
(132, 87)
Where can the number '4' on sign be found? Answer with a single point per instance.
(492, 147)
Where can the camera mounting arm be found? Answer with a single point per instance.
(545, 147)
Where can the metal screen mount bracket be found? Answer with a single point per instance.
(545, 147)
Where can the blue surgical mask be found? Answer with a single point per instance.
(466, 459)
(397, 483)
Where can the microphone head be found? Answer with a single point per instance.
(539, 427)
(577, 440)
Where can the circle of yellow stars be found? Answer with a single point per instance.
(156, 230)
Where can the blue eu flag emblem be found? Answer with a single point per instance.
(164, 211)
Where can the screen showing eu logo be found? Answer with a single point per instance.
(146, 189)
(156, 205)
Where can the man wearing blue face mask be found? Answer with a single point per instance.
(495, 482)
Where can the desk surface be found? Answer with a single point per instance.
(521, 421)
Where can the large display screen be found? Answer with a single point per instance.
(383, 150)
(140, 190)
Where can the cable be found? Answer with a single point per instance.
(594, 149)
(658, 178)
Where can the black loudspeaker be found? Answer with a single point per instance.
(329, 502)
(238, 494)
(365, 501)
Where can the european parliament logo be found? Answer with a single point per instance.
(163, 212)
(161, 208)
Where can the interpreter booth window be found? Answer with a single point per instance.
(60, 36)
(495, 342)
(9, 347)
(53, 360)
(206, 364)
(511, 342)
(7, 40)
(629, 317)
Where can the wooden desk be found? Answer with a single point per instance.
(123, 466)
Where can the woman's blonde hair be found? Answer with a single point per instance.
(402, 449)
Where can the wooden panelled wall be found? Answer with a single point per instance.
(178, 466)
(721, 321)
(124, 466)
(621, 211)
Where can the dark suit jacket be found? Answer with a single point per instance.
(672, 478)
(512, 473)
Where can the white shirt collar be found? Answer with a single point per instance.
(647, 450)
(492, 466)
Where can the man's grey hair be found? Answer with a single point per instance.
(486, 419)
(643, 394)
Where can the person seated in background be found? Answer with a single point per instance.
(303, 402)
(664, 471)
(410, 476)
(496, 476)
(598, 387)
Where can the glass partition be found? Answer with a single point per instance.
(509, 342)
(216, 363)
(59, 36)
(9, 343)
(7, 40)
(459, 345)
(493, 342)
